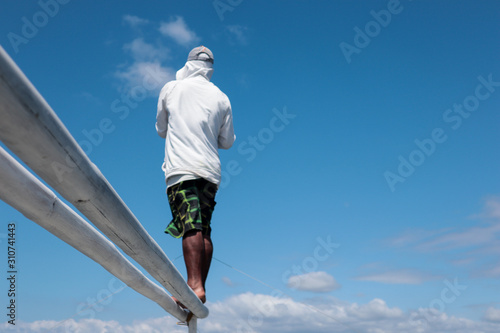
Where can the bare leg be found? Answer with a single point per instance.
(209, 249)
(193, 246)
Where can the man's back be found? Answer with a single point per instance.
(195, 118)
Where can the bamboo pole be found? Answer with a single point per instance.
(24, 192)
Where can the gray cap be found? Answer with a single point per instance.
(201, 53)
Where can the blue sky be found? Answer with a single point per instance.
(363, 185)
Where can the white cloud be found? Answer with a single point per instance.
(134, 21)
(397, 277)
(492, 314)
(142, 51)
(483, 235)
(155, 325)
(178, 30)
(474, 236)
(250, 312)
(227, 281)
(488, 271)
(491, 209)
(319, 282)
(475, 247)
(414, 236)
(145, 78)
(376, 309)
(237, 34)
(145, 74)
(90, 98)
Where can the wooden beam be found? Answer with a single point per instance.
(24, 192)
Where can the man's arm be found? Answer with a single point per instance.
(161, 115)
(226, 134)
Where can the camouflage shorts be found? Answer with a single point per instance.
(192, 203)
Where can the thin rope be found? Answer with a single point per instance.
(253, 278)
(269, 286)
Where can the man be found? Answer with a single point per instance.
(195, 118)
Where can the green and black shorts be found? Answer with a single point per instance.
(192, 203)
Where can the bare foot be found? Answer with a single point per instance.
(200, 292)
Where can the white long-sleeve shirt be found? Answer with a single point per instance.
(195, 118)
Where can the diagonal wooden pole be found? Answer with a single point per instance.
(24, 192)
